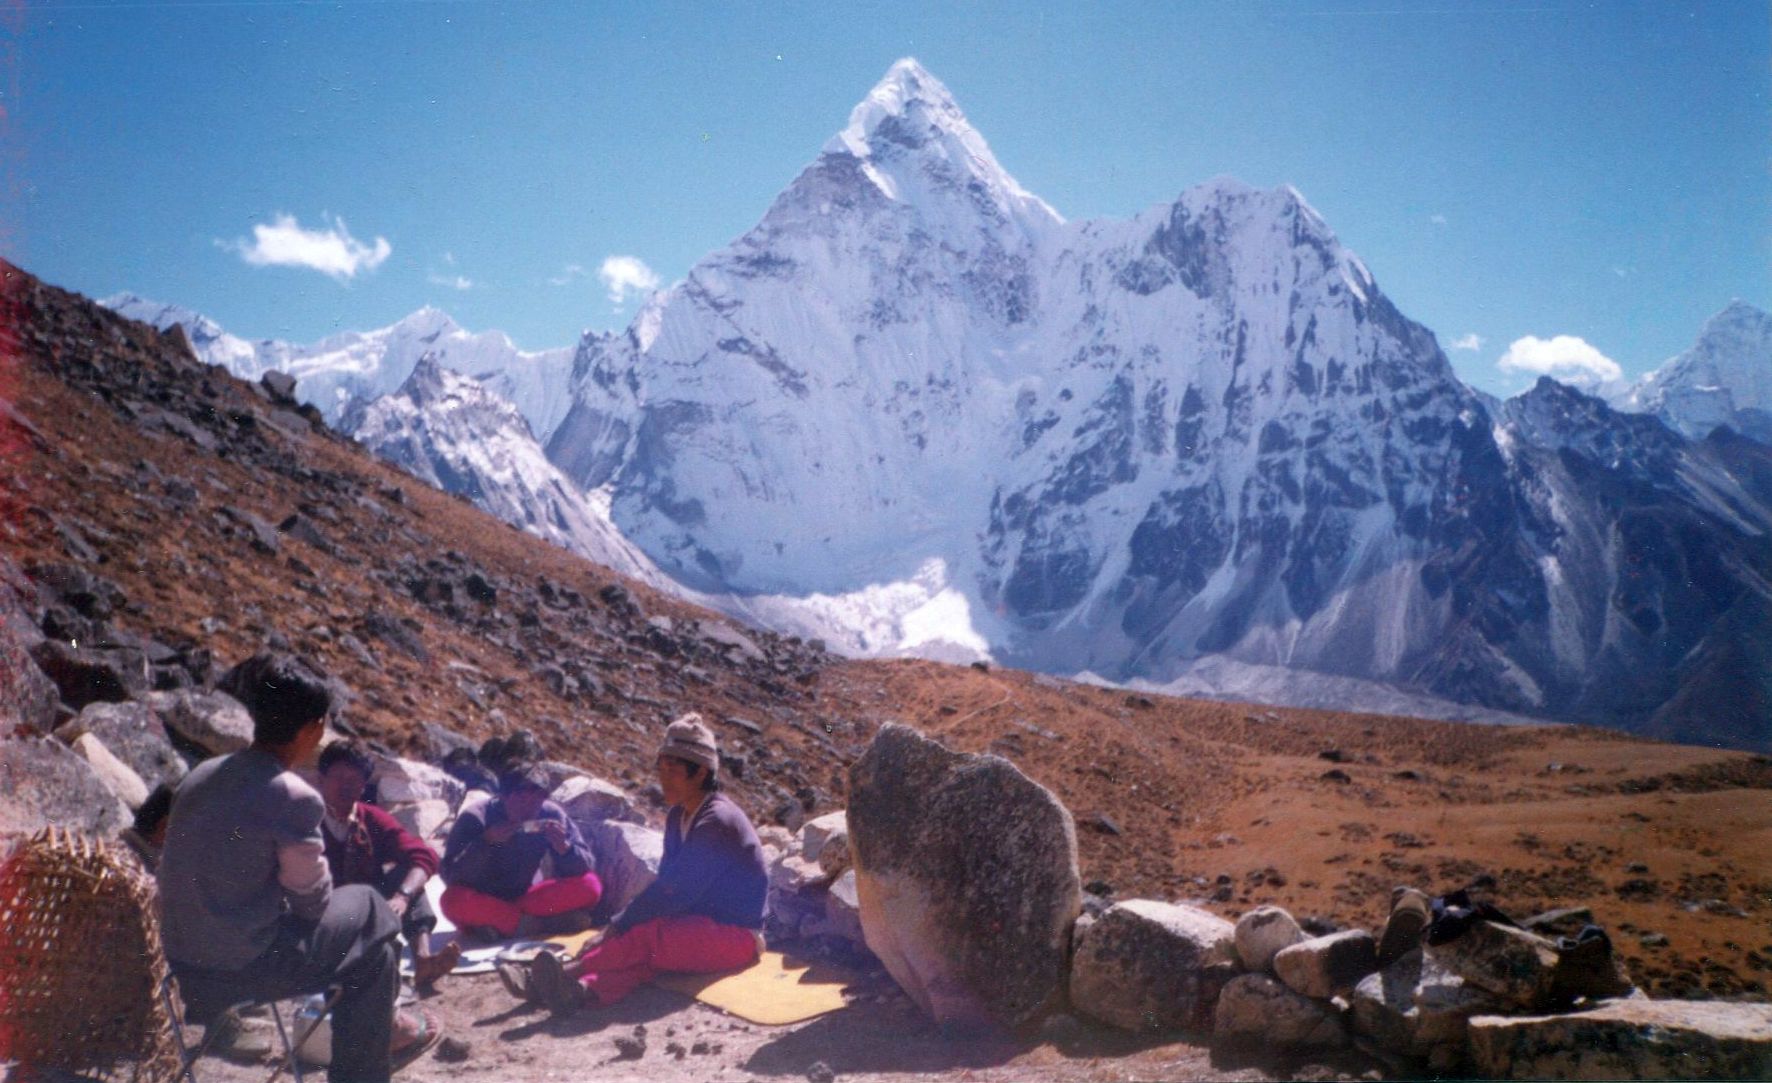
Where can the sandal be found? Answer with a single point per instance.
(430, 1032)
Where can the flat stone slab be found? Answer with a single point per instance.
(1628, 1039)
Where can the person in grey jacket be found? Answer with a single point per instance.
(248, 908)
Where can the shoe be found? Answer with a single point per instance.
(429, 969)
(516, 979)
(1587, 968)
(429, 1033)
(1410, 912)
(560, 991)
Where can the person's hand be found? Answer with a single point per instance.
(555, 832)
(499, 834)
(399, 904)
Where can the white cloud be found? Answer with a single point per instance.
(1565, 358)
(1437, 219)
(1468, 341)
(626, 276)
(331, 251)
(569, 273)
(457, 282)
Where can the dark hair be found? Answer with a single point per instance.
(710, 781)
(282, 693)
(351, 752)
(154, 810)
(519, 776)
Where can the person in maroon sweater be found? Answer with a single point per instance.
(703, 914)
(365, 845)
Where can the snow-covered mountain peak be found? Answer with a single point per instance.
(914, 145)
(1724, 379)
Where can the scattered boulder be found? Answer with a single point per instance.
(1139, 965)
(43, 782)
(27, 695)
(1256, 1009)
(213, 722)
(825, 839)
(593, 800)
(1325, 965)
(1382, 1007)
(426, 819)
(628, 855)
(1511, 964)
(841, 917)
(401, 781)
(135, 733)
(1628, 1039)
(1263, 933)
(117, 776)
(84, 676)
(966, 872)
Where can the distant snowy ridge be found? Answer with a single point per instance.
(361, 366)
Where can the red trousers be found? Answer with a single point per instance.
(466, 907)
(690, 945)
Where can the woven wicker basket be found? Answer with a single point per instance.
(81, 962)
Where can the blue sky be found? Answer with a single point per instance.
(1505, 169)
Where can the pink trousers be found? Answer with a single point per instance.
(686, 945)
(466, 907)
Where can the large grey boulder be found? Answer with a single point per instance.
(43, 782)
(591, 800)
(628, 856)
(84, 675)
(1141, 964)
(1263, 933)
(840, 917)
(1254, 1009)
(136, 734)
(1444, 1005)
(1325, 965)
(1512, 965)
(214, 722)
(1628, 1039)
(966, 871)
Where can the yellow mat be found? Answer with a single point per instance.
(773, 991)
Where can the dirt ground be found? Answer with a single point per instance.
(879, 1037)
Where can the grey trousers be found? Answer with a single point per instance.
(351, 946)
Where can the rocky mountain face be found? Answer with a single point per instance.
(1201, 435)
(1724, 379)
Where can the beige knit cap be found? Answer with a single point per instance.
(688, 738)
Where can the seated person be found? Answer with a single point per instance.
(147, 834)
(703, 914)
(494, 852)
(365, 845)
(248, 910)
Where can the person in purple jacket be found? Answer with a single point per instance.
(702, 915)
(494, 854)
